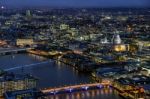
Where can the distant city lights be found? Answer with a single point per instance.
(2, 7)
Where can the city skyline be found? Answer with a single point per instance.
(74, 3)
(76, 49)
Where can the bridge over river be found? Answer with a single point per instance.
(75, 88)
(4, 51)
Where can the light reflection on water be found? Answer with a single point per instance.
(50, 74)
(40, 58)
(55, 74)
(107, 93)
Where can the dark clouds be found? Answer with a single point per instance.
(77, 3)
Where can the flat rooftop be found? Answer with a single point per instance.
(15, 77)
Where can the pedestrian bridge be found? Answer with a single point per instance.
(75, 88)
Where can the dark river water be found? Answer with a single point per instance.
(50, 73)
(91, 94)
(53, 74)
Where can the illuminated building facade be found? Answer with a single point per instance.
(24, 94)
(121, 47)
(135, 85)
(118, 46)
(2, 43)
(13, 82)
(116, 39)
(24, 42)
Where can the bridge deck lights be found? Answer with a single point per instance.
(54, 92)
(100, 86)
(69, 89)
(85, 87)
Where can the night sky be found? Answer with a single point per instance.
(75, 3)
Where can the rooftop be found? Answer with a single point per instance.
(134, 80)
(13, 94)
(15, 77)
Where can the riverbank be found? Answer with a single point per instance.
(66, 61)
(51, 73)
(120, 92)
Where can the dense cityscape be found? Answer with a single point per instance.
(75, 53)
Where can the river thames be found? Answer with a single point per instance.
(53, 74)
